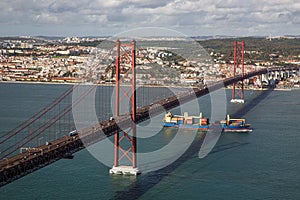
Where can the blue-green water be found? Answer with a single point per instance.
(264, 164)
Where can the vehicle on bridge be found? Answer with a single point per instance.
(73, 133)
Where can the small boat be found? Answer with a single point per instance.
(235, 125)
(186, 122)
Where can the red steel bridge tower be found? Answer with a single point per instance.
(125, 142)
(239, 50)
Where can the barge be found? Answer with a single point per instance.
(186, 122)
(235, 125)
(202, 124)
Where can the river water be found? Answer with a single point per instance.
(264, 164)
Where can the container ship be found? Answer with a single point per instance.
(186, 122)
(202, 124)
(235, 125)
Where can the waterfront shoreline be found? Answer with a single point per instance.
(138, 85)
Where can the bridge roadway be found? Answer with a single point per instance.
(34, 158)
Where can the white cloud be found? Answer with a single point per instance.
(189, 16)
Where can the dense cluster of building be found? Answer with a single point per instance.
(68, 61)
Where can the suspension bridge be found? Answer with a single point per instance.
(51, 134)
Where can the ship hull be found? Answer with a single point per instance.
(233, 129)
(186, 126)
(237, 129)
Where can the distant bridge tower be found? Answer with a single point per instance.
(239, 50)
(125, 146)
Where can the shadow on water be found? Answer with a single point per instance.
(251, 104)
(145, 182)
(149, 180)
(224, 147)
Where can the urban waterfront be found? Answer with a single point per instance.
(261, 165)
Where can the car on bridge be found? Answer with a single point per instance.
(73, 133)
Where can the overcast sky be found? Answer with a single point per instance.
(110, 17)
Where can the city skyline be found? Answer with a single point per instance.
(108, 18)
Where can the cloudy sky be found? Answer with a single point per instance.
(110, 17)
